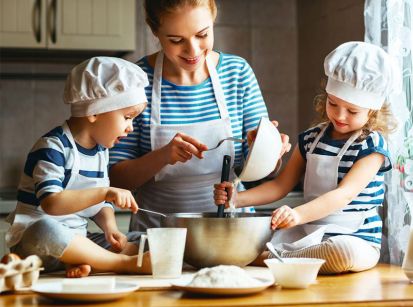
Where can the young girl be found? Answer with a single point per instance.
(65, 178)
(343, 159)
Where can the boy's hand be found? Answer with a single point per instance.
(122, 199)
(116, 239)
(284, 217)
(224, 193)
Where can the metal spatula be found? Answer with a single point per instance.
(226, 139)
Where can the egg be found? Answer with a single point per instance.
(6, 259)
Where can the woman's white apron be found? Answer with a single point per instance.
(184, 187)
(321, 177)
(26, 215)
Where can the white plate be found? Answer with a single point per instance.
(263, 284)
(54, 290)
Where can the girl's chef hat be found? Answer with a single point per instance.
(361, 74)
(103, 84)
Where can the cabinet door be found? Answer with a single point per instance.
(22, 23)
(91, 24)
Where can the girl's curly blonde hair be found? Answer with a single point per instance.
(381, 120)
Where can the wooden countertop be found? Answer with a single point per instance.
(385, 285)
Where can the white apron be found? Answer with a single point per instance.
(321, 177)
(184, 187)
(25, 215)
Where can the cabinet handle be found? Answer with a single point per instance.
(52, 21)
(37, 9)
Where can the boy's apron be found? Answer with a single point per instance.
(25, 215)
(321, 177)
(184, 187)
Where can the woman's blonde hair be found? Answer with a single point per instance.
(155, 9)
(381, 120)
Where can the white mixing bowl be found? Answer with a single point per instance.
(264, 152)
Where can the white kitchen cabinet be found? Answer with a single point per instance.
(68, 24)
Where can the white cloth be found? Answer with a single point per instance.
(25, 215)
(103, 84)
(175, 185)
(320, 177)
(361, 73)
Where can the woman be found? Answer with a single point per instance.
(196, 97)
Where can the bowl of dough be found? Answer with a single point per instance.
(232, 240)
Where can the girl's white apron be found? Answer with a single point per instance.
(321, 177)
(185, 187)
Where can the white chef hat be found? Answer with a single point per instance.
(360, 73)
(103, 84)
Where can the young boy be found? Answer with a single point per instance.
(65, 178)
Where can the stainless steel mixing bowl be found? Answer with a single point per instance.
(213, 241)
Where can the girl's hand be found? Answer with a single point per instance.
(285, 139)
(116, 239)
(224, 193)
(121, 198)
(284, 217)
(182, 147)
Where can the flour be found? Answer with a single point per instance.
(223, 276)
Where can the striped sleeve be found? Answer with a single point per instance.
(46, 165)
(375, 143)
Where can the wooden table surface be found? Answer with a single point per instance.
(384, 285)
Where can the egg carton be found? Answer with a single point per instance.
(18, 274)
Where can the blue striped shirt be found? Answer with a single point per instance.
(373, 194)
(196, 103)
(48, 167)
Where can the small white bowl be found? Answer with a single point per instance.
(294, 272)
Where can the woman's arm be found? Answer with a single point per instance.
(278, 187)
(355, 181)
(131, 174)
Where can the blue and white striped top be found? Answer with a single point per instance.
(47, 170)
(196, 103)
(372, 196)
(48, 166)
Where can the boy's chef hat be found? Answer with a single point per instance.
(361, 74)
(103, 84)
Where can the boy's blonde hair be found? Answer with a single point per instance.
(381, 120)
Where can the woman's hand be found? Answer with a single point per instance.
(284, 217)
(122, 198)
(116, 239)
(285, 139)
(224, 193)
(182, 147)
